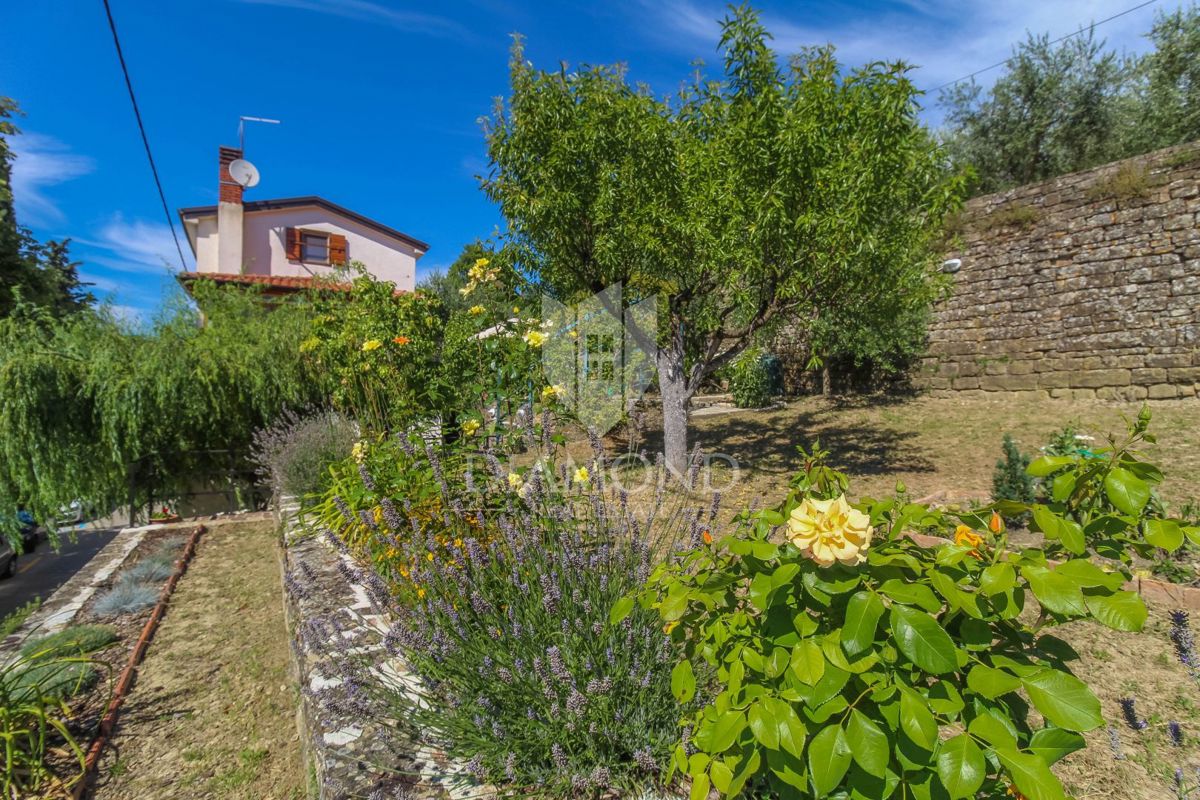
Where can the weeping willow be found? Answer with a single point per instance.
(85, 398)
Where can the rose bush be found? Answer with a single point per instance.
(852, 661)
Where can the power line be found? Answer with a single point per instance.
(1056, 41)
(145, 141)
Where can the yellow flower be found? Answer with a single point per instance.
(963, 535)
(582, 475)
(670, 626)
(466, 290)
(480, 263)
(829, 531)
(554, 392)
(429, 556)
(420, 592)
(371, 344)
(476, 310)
(310, 344)
(359, 451)
(535, 338)
(514, 481)
(470, 426)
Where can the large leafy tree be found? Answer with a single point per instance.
(32, 272)
(765, 194)
(1167, 108)
(1056, 109)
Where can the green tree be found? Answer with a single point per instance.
(1167, 106)
(769, 193)
(1056, 109)
(449, 286)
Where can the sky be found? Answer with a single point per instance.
(380, 101)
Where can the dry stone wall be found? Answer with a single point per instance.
(1085, 285)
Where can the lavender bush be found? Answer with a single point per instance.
(293, 454)
(505, 623)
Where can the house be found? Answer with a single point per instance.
(289, 243)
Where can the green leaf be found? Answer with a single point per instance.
(1064, 700)
(1044, 465)
(1126, 491)
(1164, 533)
(1054, 743)
(1123, 611)
(862, 620)
(1046, 521)
(725, 731)
(699, 790)
(994, 730)
(760, 591)
(828, 759)
(997, 578)
(764, 726)
(808, 662)
(961, 767)
(1056, 592)
(620, 610)
(683, 682)
(1062, 487)
(991, 682)
(721, 776)
(792, 732)
(1070, 533)
(1031, 775)
(922, 640)
(912, 594)
(917, 720)
(868, 744)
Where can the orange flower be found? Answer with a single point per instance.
(969, 538)
(401, 340)
(996, 524)
(707, 537)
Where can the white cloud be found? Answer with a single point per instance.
(42, 162)
(134, 246)
(946, 39)
(366, 11)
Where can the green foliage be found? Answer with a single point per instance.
(1013, 215)
(897, 671)
(77, 640)
(294, 452)
(448, 287)
(16, 618)
(85, 398)
(1103, 500)
(750, 380)
(776, 194)
(1167, 94)
(1010, 480)
(1129, 182)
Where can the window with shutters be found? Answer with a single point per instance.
(314, 247)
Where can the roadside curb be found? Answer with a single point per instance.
(129, 673)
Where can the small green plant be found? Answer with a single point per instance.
(1013, 215)
(74, 641)
(750, 379)
(1128, 182)
(16, 618)
(126, 597)
(1010, 481)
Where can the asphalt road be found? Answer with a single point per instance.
(43, 570)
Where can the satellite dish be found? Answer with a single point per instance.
(243, 172)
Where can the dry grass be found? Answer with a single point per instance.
(213, 713)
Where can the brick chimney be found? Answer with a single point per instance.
(230, 215)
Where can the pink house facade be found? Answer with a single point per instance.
(290, 243)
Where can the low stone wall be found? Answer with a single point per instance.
(1087, 285)
(353, 748)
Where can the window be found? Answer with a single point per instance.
(314, 247)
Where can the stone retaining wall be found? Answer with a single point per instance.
(1085, 285)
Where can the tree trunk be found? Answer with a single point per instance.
(672, 386)
(826, 379)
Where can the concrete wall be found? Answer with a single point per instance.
(1085, 285)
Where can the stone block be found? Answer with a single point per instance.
(1100, 377)
(1163, 391)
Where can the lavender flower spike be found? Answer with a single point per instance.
(1129, 712)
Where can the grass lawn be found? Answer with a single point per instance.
(213, 712)
(931, 444)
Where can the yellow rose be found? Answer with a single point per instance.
(371, 344)
(554, 392)
(480, 263)
(470, 426)
(514, 481)
(535, 338)
(582, 475)
(476, 310)
(829, 531)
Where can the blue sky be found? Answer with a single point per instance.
(380, 99)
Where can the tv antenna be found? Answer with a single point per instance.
(242, 128)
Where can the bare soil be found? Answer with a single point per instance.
(213, 711)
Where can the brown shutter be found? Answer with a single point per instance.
(293, 244)
(337, 249)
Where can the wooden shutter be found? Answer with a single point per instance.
(337, 249)
(293, 244)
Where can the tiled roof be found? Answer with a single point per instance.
(287, 283)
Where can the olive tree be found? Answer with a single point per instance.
(769, 193)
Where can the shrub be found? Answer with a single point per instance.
(750, 379)
(55, 679)
(851, 661)
(74, 641)
(126, 597)
(15, 619)
(294, 453)
(149, 570)
(506, 599)
(1010, 480)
